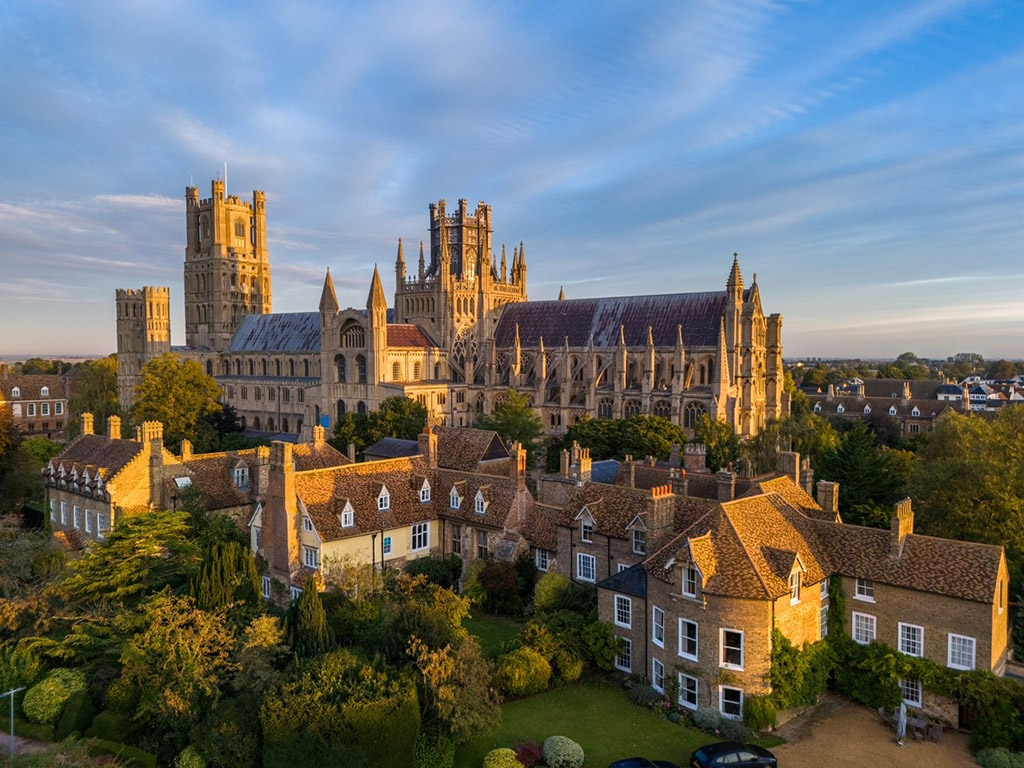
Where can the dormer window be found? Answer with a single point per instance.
(454, 500)
(817, 407)
(480, 503)
(794, 587)
(384, 500)
(348, 516)
(44, 392)
(587, 530)
(307, 524)
(916, 411)
(691, 580)
(16, 392)
(867, 409)
(242, 477)
(892, 411)
(639, 541)
(425, 492)
(840, 408)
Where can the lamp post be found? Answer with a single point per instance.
(11, 694)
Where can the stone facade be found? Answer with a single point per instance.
(461, 333)
(38, 403)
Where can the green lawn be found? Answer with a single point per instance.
(492, 631)
(598, 716)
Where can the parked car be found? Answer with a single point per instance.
(733, 755)
(642, 762)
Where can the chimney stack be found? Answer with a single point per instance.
(87, 424)
(186, 450)
(113, 427)
(695, 457)
(902, 526)
(828, 496)
(726, 485)
(428, 445)
(319, 436)
(518, 466)
(788, 463)
(675, 456)
(564, 463)
(680, 481)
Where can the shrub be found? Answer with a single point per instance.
(562, 752)
(434, 750)
(759, 712)
(601, 645)
(128, 756)
(550, 592)
(45, 700)
(523, 672)
(111, 725)
(443, 571)
(734, 730)
(529, 753)
(77, 715)
(189, 757)
(568, 666)
(708, 719)
(644, 695)
(502, 758)
(999, 757)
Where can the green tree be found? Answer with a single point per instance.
(810, 435)
(179, 394)
(969, 483)
(721, 441)
(95, 392)
(515, 420)
(397, 416)
(637, 436)
(308, 632)
(228, 579)
(1001, 369)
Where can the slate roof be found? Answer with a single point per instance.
(700, 315)
(604, 471)
(281, 332)
(464, 448)
(392, 448)
(408, 335)
(632, 581)
(920, 389)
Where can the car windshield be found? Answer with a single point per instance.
(700, 754)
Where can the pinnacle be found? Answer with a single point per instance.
(328, 297)
(377, 297)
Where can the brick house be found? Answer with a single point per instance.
(38, 403)
(448, 499)
(698, 613)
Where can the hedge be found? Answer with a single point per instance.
(130, 756)
(77, 716)
(45, 700)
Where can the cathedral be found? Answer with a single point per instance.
(460, 334)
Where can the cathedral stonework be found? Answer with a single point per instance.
(461, 333)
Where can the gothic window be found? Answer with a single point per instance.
(291, 367)
(252, 367)
(263, 367)
(437, 370)
(284, 425)
(396, 371)
(270, 425)
(632, 408)
(480, 403)
(691, 414)
(277, 367)
(256, 423)
(339, 365)
(305, 367)
(416, 372)
(361, 369)
(225, 367)
(341, 410)
(209, 367)
(663, 408)
(361, 407)
(605, 408)
(353, 336)
(239, 229)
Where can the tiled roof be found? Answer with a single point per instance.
(882, 405)
(282, 332)
(794, 495)
(945, 566)
(97, 451)
(408, 335)
(613, 507)
(921, 389)
(309, 456)
(541, 529)
(213, 474)
(464, 448)
(700, 315)
(30, 386)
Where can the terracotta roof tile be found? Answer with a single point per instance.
(612, 507)
(111, 456)
(408, 335)
(464, 448)
(541, 527)
(308, 456)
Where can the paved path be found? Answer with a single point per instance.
(22, 746)
(841, 734)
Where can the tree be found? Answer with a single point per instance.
(228, 579)
(179, 394)
(637, 436)
(1001, 369)
(27, 558)
(397, 416)
(810, 435)
(969, 483)
(723, 446)
(515, 420)
(307, 623)
(95, 392)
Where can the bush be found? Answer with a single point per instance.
(77, 716)
(562, 752)
(529, 753)
(999, 757)
(734, 730)
(759, 712)
(129, 756)
(443, 571)
(502, 758)
(434, 750)
(550, 592)
(708, 719)
(568, 666)
(113, 726)
(45, 700)
(523, 672)
(644, 695)
(189, 757)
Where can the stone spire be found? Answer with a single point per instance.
(504, 268)
(561, 293)
(735, 276)
(328, 298)
(376, 297)
(400, 261)
(423, 263)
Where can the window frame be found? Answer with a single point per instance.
(425, 492)
(480, 503)
(658, 627)
(384, 500)
(795, 585)
(265, 587)
(900, 627)
(853, 626)
(691, 577)
(587, 531)
(582, 557)
(626, 654)
(656, 674)
(721, 702)
(909, 685)
(541, 559)
(311, 557)
(722, 648)
(639, 536)
(420, 531)
(348, 516)
(684, 689)
(864, 590)
(386, 546)
(949, 651)
(307, 524)
(686, 636)
(623, 612)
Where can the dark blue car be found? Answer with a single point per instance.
(642, 762)
(729, 753)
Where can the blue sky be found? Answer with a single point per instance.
(866, 159)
